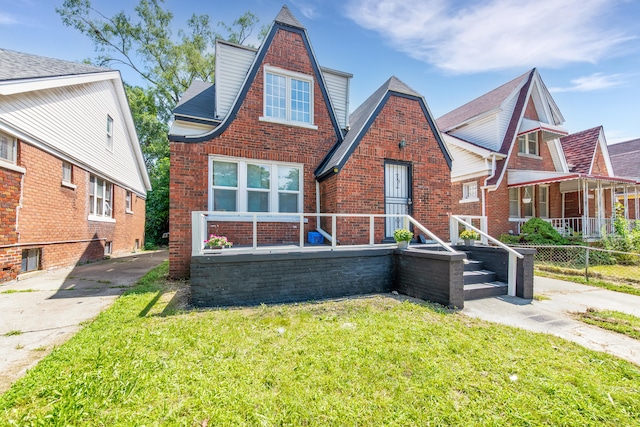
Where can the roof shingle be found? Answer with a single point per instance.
(580, 147)
(18, 65)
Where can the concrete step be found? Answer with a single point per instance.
(478, 276)
(472, 265)
(484, 290)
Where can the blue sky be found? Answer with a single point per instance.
(450, 51)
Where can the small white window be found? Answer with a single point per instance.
(7, 148)
(470, 191)
(127, 201)
(244, 185)
(528, 144)
(100, 197)
(30, 260)
(67, 172)
(107, 248)
(109, 133)
(288, 97)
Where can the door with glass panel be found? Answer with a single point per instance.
(397, 195)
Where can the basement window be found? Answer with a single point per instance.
(31, 259)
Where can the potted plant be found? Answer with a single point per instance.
(469, 236)
(402, 237)
(217, 242)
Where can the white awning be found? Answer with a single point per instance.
(549, 131)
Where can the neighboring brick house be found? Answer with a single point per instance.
(273, 135)
(513, 160)
(625, 159)
(73, 181)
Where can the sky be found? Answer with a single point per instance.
(450, 51)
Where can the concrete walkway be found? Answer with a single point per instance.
(46, 309)
(553, 316)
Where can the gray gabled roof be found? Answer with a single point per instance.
(286, 17)
(198, 101)
(484, 103)
(360, 120)
(18, 66)
(625, 158)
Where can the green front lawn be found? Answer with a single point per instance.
(364, 361)
(611, 320)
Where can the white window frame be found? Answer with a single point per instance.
(128, 201)
(242, 188)
(515, 191)
(289, 76)
(543, 206)
(100, 208)
(8, 146)
(469, 192)
(67, 177)
(525, 143)
(109, 133)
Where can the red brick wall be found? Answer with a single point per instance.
(359, 186)
(466, 208)
(10, 183)
(531, 112)
(51, 213)
(248, 137)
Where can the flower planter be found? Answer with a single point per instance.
(403, 244)
(469, 242)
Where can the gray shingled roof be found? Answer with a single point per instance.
(625, 158)
(286, 17)
(18, 65)
(197, 101)
(487, 102)
(359, 119)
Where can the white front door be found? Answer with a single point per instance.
(397, 195)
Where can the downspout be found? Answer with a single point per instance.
(485, 187)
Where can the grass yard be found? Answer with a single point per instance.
(611, 320)
(614, 278)
(366, 362)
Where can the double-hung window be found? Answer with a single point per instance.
(514, 203)
(543, 201)
(288, 97)
(470, 192)
(128, 197)
(528, 144)
(100, 198)
(247, 185)
(7, 148)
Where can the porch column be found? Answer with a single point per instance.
(586, 229)
(637, 202)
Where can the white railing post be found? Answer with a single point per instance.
(302, 230)
(255, 231)
(453, 230)
(198, 232)
(333, 231)
(484, 226)
(511, 283)
(371, 230)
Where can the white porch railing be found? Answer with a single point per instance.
(457, 220)
(589, 227)
(200, 219)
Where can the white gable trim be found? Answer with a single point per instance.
(13, 87)
(605, 153)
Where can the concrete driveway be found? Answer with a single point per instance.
(553, 316)
(46, 309)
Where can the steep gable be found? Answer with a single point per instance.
(362, 118)
(586, 153)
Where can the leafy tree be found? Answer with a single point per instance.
(168, 64)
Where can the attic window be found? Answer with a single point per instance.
(528, 144)
(288, 97)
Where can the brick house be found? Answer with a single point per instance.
(513, 160)
(273, 135)
(72, 178)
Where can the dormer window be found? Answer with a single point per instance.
(288, 97)
(528, 144)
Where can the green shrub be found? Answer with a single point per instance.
(509, 239)
(541, 232)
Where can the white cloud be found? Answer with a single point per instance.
(6, 19)
(595, 81)
(307, 9)
(493, 34)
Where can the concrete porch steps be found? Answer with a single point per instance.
(480, 283)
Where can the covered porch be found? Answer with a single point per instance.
(574, 203)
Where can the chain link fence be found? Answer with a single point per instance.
(588, 262)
